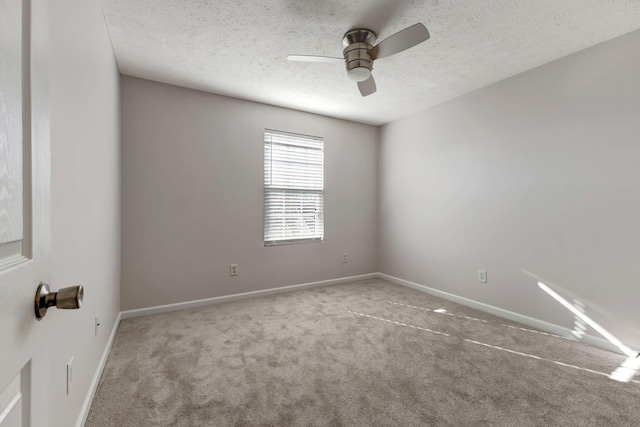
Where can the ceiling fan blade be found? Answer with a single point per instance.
(400, 41)
(314, 58)
(367, 87)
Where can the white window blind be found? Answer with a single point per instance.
(293, 188)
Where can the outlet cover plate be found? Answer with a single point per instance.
(69, 375)
(482, 276)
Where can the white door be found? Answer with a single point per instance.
(24, 211)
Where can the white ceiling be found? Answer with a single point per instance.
(238, 48)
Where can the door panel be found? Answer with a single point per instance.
(24, 211)
(11, 207)
(13, 401)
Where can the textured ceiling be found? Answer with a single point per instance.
(238, 48)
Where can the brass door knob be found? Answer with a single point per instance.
(66, 299)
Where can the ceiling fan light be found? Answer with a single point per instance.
(359, 74)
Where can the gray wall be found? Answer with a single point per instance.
(85, 138)
(538, 172)
(193, 197)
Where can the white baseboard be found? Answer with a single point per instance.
(234, 297)
(86, 405)
(520, 318)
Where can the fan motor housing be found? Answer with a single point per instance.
(357, 44)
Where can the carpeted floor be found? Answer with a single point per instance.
(366, 353)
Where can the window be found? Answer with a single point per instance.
(293, 188)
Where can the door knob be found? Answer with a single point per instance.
(66, 298)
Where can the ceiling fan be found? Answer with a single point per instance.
(360, 51)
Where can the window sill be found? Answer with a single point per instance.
(291, 242)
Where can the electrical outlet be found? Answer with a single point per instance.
(233, 270)
(344, 257)
(97, 324)
(69, 375)
(482, 276)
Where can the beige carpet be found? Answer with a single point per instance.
(366, 353)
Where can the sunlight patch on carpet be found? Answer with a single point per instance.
(537, 332)
(625, 372)
(398, 323)
(439, 311)
(532, 356)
